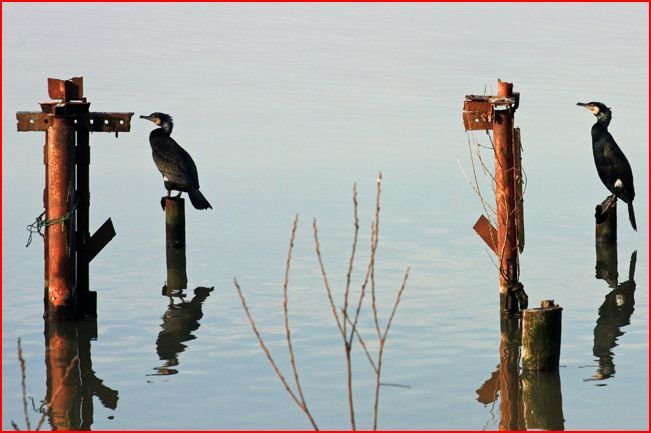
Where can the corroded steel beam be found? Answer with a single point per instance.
(95, 122)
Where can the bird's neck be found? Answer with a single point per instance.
(603, 119)
(167, 127)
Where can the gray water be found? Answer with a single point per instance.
(284, 107)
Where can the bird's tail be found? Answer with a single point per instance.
(631, 215)
(198, 200)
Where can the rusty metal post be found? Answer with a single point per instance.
(61, 279)
(505, 194)
(507, 239)
(177, 279)
(87, 299)
(69, 247)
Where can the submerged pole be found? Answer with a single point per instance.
(177, 278)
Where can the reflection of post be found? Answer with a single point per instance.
(177, 279)
(542, 400)
(614, 314)
(179, 321)
(509, 384)
(606, 265)
(529, 401)
(71, 381)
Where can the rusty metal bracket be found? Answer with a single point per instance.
(479, 110)
(93, 122)
(66, 90)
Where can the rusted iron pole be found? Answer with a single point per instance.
(177, 279)
(507, 239)
(505, 195)
(68, 245)
(61, 279)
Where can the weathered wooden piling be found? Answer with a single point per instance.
(541, 337)
(68, 245)
(606, 221)
(177, 278)
(507, 239)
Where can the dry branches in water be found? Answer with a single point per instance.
(347, 314)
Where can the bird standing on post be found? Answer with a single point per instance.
(175, 164)
(612, 166)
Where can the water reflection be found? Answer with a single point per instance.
(179, 321)
(616, 310)
(527, 400)
(71, 381)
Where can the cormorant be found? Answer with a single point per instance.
(175, 164)
(612, 166)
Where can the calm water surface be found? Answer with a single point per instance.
(284, 107)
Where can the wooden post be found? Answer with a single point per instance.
(177, 279)
(541, 337)
(606, 221)
(505, 195)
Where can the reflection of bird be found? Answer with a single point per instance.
(612, 166)
(175, 164)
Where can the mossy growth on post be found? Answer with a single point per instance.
(541, 337)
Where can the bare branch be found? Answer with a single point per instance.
(286, 311)
(270, 358)
(317, 247)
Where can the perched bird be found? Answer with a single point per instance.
(175, 164)
(612, 166)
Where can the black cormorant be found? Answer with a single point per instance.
(175, 164)
(612, 166)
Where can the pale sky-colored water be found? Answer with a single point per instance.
(284, 107)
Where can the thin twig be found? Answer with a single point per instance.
(374, 242)
(22, 383)
(324, 274)
(382, 341)
(270, 358)
(286, 311)
(352, 257)
(363, 344)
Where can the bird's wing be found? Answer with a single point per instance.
(620, 166)
(176, 164)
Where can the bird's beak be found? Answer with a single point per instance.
(145, 117)
(588, 107)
